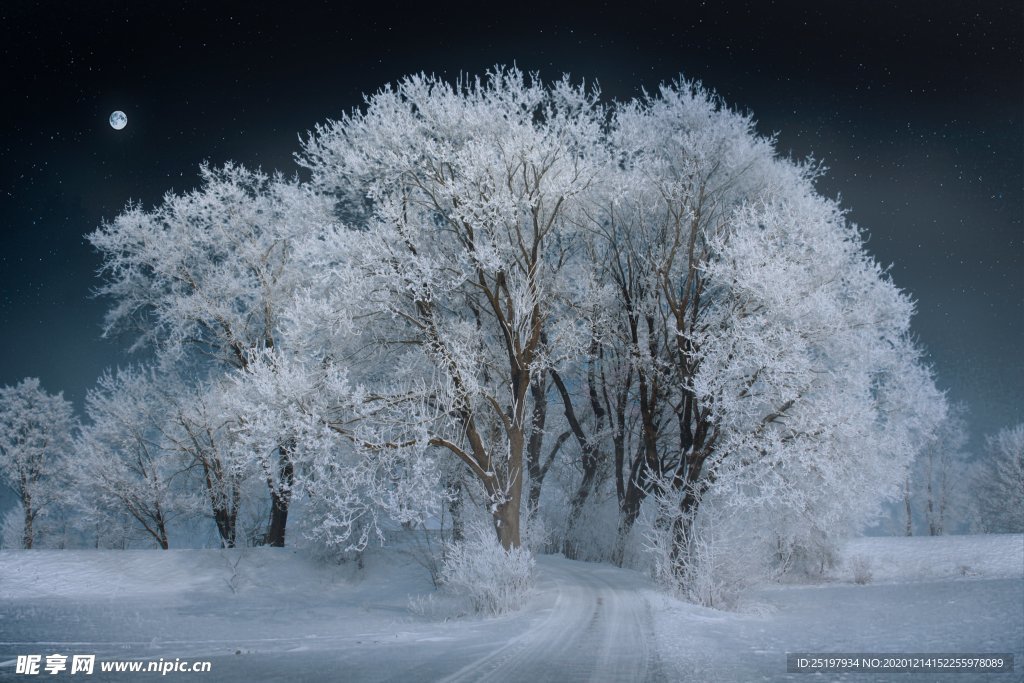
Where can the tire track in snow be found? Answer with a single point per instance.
(597, 629)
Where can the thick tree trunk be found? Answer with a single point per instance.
(682, 526)
(579, 499)
(26, 538)
(278, 520)
(626, 522)
(680, 546)
(225, 511)
(506, 523)
(280, 497)
(630, 504)
(506, 513)
(538, 390)
(225, 520)
(533, 498)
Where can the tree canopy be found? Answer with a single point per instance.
(484, 279)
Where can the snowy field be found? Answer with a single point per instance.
(272, 614)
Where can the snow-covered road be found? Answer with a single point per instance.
(597, 626)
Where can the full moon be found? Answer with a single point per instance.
(118, 120)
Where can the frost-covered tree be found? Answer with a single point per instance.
(36, 431)
(122, 466)
(685, 164)
(802, 326)
(734, 313)
(349, 483)
(934, 493)
(198, 429)
(467, 199)
(206, 273)
(998, 483)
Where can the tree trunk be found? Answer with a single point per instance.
(538, 390)
(630, 513)
(278, 519)
(455, 509)
(579, 499)
(280, 497)
(680, 546)
(26, 538)
(590, 455)
(929, 492)
(682, 526)
(223, 503)
(506, 523)
(629, 507)
(909, 531)
(533, 497)
(161, 529)
(225, 526)
(506, 512)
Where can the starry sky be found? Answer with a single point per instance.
(917, 108)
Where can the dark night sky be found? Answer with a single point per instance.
(916, 107)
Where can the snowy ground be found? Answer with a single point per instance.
(276, 615)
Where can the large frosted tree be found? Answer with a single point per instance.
(466, 201)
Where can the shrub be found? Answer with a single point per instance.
(493, 579)
(860, 565)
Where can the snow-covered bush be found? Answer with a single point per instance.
(426, 548)
(494, 579)
(860, 568)
(424, 605)
(803, 548)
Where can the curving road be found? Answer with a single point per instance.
(598, 628)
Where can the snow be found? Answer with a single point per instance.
(944, 594)
(995, 556)
(277, 614)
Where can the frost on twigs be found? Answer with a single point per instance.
(494, 580)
